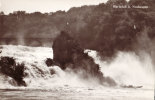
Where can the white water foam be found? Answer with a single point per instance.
(38, 74)
(127, 68)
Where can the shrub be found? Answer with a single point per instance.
(9, 67)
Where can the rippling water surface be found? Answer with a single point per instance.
(77, 94)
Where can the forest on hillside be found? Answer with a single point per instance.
(101, 27)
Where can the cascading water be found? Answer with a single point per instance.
(126, 69)
(37, 74)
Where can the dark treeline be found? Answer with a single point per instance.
(100, 27)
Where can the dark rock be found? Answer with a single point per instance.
(9, 67)
(69, 54)
(52, 71)
(49, 62)
(64, 48)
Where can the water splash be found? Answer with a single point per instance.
(127, 68)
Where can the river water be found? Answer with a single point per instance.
(77, 93)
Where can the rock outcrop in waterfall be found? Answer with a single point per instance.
(68, 54)
(9, 67)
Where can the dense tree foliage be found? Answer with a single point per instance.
(100, 27)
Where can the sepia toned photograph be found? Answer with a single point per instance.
(77, 49)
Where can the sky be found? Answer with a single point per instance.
(8, 6)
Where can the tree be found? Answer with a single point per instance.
(116, 2)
